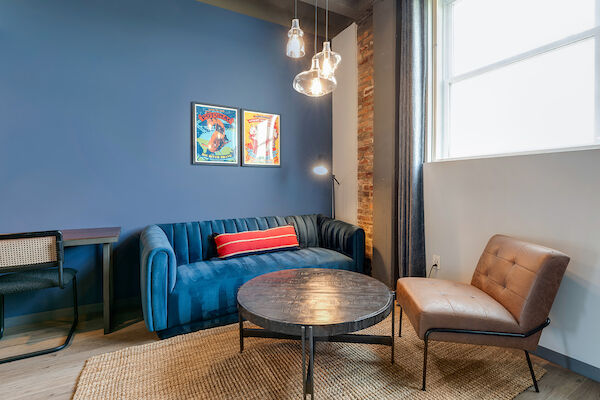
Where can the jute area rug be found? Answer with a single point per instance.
(207, 365)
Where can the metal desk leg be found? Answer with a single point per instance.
(107, 290)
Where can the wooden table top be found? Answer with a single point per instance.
(80, 237)
(332, 301)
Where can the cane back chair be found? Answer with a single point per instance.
(33, 261)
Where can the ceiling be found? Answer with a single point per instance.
(341, 12)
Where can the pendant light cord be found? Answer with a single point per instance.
(316, 26)
(295, 9)
(326, 19)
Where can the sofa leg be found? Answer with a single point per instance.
(535, 385)
(425, 360)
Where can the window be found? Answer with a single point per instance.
(516, 76)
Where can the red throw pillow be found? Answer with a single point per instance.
(256, 242)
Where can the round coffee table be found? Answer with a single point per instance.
(315, 304)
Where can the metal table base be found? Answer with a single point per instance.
(308, 343)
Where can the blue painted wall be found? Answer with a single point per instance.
(95, 124)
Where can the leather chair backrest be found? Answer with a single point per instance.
(194, 241)
(523, 277)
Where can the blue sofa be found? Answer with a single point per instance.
(186, 288)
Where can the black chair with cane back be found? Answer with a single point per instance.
(33, 261)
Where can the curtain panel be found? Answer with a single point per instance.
(412, 69)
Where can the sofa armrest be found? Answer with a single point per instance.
(158, 273)
(343, 237)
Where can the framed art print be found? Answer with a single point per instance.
(261, 139)
(215, 135)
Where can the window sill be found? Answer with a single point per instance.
(517, 154)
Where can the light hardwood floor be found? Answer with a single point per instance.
(54, 376)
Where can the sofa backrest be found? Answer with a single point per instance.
(522, 276)
(193, 241)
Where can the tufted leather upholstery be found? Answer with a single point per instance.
(512, 290)
(523, 277)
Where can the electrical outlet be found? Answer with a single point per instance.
(436, 260)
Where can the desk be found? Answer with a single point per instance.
(106, 237)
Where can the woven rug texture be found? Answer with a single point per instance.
(208, 365)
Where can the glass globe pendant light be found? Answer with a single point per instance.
(328, 59)
(312, 82)
(295, 44)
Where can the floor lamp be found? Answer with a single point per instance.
(322, 170)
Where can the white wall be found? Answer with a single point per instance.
(345, 126)
(551, 199)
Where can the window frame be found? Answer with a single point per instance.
(440, 65)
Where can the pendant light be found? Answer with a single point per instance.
(312, 83)
(295, 44)
(328, 60)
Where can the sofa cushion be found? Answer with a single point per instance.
(208, 289)
(241, 244)
(194, 241)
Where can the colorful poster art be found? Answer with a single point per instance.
(261, 133)
(215, 135)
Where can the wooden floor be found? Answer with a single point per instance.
(54, 376)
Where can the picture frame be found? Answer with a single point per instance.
(261, 139)
(215, 134)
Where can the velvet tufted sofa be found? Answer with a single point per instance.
(185, 287)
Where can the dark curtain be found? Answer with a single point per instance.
(412, 127)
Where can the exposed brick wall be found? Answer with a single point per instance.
(365, 129)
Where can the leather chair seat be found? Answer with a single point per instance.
(511, 292)
(435, 303)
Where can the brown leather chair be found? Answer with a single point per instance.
(507, 303)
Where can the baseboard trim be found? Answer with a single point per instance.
(86, 312)
(587, 370)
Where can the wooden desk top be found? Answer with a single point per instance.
(82, 237)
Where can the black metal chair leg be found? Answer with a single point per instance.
(75, 302)
(1, 316)
(486, 333)
(57, 348)
(400, 324)
(393, 321)
(425, 360)
(535, 385)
